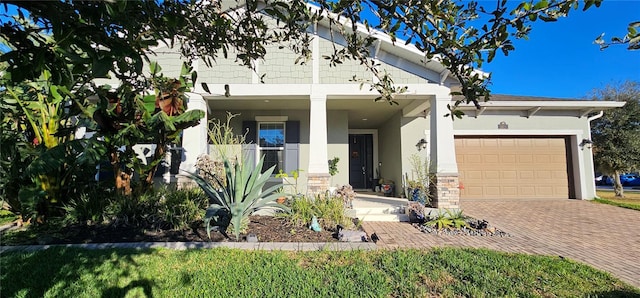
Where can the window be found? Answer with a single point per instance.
(271, 138)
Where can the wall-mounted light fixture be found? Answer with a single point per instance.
(422, 144)
(585, 143)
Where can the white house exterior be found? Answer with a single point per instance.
(512, 148)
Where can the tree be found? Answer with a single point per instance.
(77, 42)
(102, 37)
(616, 135)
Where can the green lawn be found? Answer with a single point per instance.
(631, 200)
(60, 272)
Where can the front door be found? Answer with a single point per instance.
(361, 161)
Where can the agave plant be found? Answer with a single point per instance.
(242, 194)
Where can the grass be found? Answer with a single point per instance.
(447, 272)
(631, 200)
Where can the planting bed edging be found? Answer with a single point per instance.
(289, 246)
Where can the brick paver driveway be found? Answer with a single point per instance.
(606, 237)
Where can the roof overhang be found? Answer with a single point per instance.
(579, 108)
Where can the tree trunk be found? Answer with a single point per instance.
(159, 153)
(123, 179)
(617, 185)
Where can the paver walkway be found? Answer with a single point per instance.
(603, 236)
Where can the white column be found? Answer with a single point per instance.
(194, 139)
(318, 135)
(443, 152)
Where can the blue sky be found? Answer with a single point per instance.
(560, 59)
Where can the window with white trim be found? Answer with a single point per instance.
(271, 140)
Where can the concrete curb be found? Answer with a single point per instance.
(283, 246)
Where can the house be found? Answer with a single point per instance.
(513, 147)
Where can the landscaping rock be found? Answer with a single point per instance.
(474, 228)
(352, 236)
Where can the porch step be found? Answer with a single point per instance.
(384, 217)
(386, 213)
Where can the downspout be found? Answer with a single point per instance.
(594, 117)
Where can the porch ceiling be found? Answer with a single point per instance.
(357, 107)
(365, 113)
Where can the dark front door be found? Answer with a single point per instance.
(360, 161)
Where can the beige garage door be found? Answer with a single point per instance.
(512, 168)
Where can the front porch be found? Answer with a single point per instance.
(374, 206)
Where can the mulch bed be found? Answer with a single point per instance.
(266, 228)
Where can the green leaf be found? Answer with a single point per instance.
(101, 67)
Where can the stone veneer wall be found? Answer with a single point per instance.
(445, 189)
(318, 183)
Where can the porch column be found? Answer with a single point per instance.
(194, 139)
(318, 171)
(444, 168)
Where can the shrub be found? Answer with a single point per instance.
(328, 209)
(87, 208)
(157, 208)
(182, 207)
(448, 219)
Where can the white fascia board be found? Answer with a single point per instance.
(569, 104)
(284, 90)
(514, 132)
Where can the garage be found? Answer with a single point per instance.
(523, 167)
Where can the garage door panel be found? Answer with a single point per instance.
(508, 158)
(512, 167)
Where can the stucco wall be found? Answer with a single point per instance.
(338, 144)
(389, 144)
(536, 122)
(413, 129)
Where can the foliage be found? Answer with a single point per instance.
(443, 272)
(233, 202)
(330, 211)
(182, 207)
(418, 185)
(631, 39)
(460, 36)
(616, 135)
(155, 209)
(222, 135)
(333, 166)
(7, 216)
(447, 219)
(293, 187)
(45, 165)
(127, 117)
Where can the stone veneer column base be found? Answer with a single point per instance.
(317, 183)
(445, 191)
